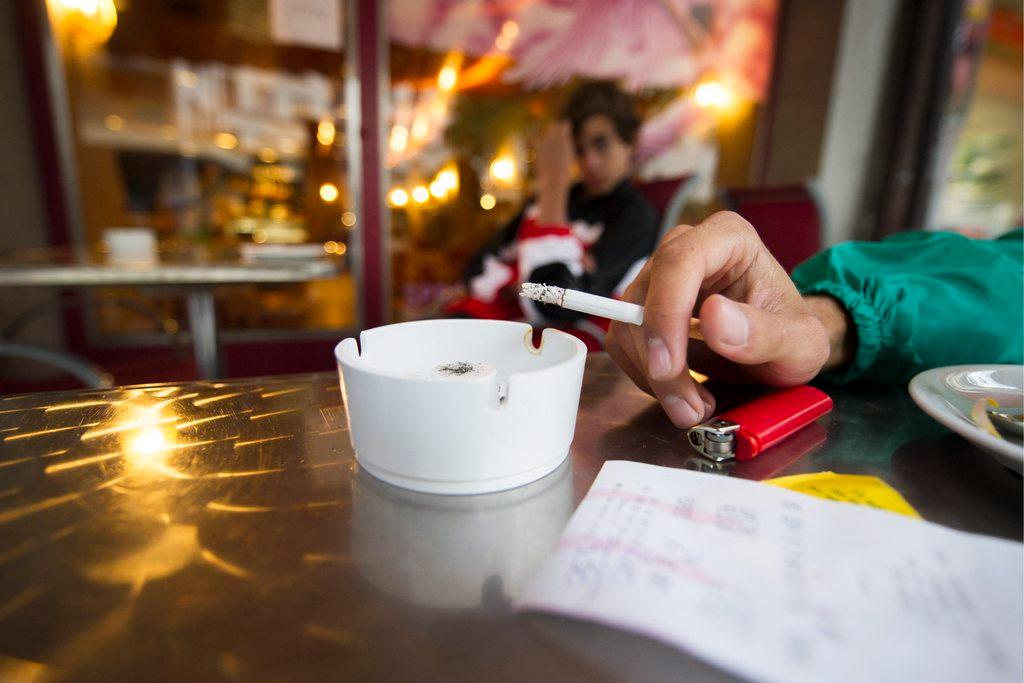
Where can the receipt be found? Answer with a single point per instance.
(774, 585)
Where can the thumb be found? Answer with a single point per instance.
(794, 342)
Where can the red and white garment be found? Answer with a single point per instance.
(535, 245)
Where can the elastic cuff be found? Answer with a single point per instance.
(865, 321)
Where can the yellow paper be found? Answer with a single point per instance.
(848, 488)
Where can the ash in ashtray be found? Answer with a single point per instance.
(461, 370)
(456, 369)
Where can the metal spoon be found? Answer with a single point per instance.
(1007, 419)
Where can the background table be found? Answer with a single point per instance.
(224, 531)
(196, 280)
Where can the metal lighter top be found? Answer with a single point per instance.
(745, 431)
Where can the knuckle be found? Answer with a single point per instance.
(669, 254)
(727, 218)
(664, 251)
(675, 232)
(732, 221)
(659, 260)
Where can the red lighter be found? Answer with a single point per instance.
(747, 430)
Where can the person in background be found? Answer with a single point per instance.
(584, 235)
(881, 311)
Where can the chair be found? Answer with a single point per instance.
(84, 370)
(788, 220)
(668, 196)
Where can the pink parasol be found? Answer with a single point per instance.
(640, 43)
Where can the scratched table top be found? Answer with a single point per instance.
(224, 531)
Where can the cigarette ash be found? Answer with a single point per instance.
(460, 369)
(546, 294)
(457, 369)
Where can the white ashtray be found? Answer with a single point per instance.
(460, 406)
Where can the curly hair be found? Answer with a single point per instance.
(607, 99)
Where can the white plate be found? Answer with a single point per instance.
(947, 394)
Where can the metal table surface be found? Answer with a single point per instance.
(224, 531)
(197, 278)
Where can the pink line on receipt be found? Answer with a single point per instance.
(617, 546)
(660, 505)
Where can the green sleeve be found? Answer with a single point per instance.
(921, 300)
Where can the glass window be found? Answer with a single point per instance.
(473, 84)
(220, 127)
(981, 193)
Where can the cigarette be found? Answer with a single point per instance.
(601, 306)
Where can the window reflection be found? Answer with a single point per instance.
(212, 126)
(474, 84)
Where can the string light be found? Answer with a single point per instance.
(420, 194)
(225, 140)
(329, 192)
(509, 31)
(503, 168)
(88, 22)
(113, 122)
(398, 139)
(488, 202)
(712, 94)
(420, 128)
(325, 133)
(448, 178)
(398, 197)
(445, 182)
(448, 77)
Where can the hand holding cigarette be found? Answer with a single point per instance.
(754, 325)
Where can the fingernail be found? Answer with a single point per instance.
(736, 328)
(680, 412)
(659, 363)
